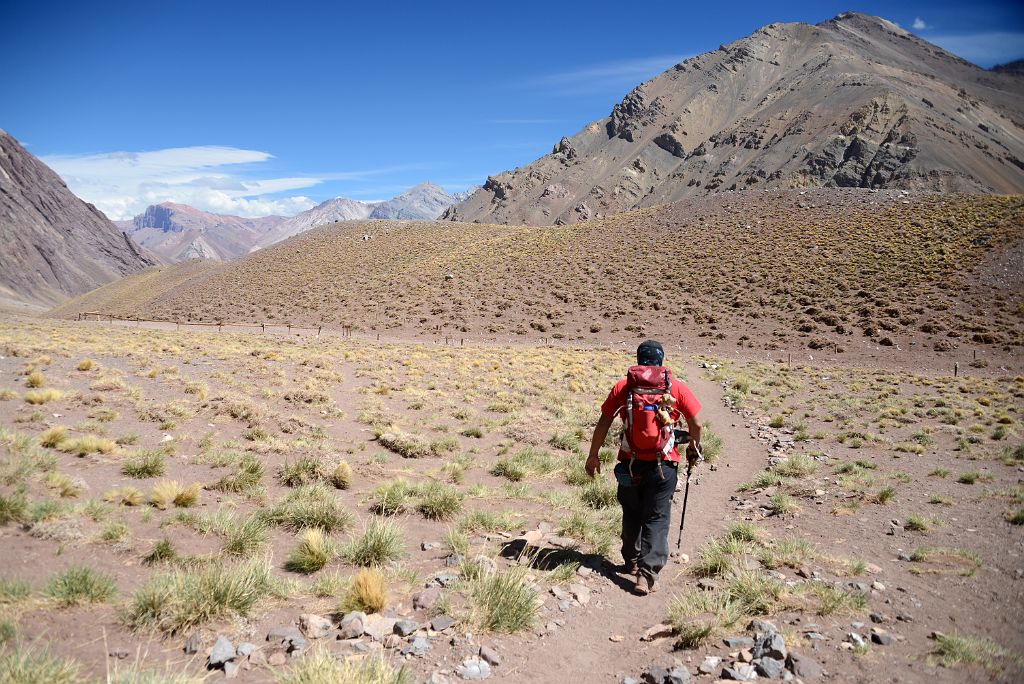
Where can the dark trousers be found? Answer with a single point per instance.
(646, 513)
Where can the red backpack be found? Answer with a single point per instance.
(649, 413)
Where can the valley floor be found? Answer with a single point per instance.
(869, 509)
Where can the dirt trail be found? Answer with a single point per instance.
(581, 650)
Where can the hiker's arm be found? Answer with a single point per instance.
(600, 432)
(693, 427)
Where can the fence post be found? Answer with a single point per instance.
(318, 329)
(956, 369)
(789, 361)
(289, 328)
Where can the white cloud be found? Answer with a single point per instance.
(919, 24)
(123, 184)
(602, 77)
(984, 49)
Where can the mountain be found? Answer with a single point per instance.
(855, 101)
(425, 201)
(55, 245)
(778, 269)
(178, 232)
(337, 209)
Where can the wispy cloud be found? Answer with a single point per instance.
(525, 122)
(920, 25)
(220, 179)
(985, 49)
(603, 77)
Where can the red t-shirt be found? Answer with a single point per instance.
(615, 404)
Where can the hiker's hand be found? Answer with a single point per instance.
(692, 455)
(593, 466)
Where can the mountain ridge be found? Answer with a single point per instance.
(853, 101)
(55, 245)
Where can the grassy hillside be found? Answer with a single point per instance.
(764, 269)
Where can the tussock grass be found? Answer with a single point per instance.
(247, 537)
(185, 598)
(13, 507)
(405, 444)
(313, 552)
(304, 470)
(322, 666)
(43, 396)
(66, 487)
(115, 531)
(125, 496)
(310, 506)
(53, 437)
(504, 601)
(35, 379)
(783, 504)
(79, 585)
(341, 475)
(147, 463)
(162, 552)
(366, 592)
(170, 492)
(527, 462)
(85, 365)
(833, 600)
(392, 498)
(953, 650)
(88, 444)
(599, 494)
(796, 466)
(439, 501)
(696, 616)
(13, 590)
(247, 478)
(37, 665)
(380, 542)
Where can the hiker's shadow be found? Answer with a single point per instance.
(547, 559)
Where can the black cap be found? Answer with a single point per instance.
(650, 353)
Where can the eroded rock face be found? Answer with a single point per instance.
(852, 102)
(55, 245)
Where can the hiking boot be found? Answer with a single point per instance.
(644, 585)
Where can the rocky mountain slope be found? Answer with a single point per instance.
(852, 102)
(54, 245)
(425, 201)
(178, 232)
(823, 268)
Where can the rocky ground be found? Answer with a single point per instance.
(848, 525)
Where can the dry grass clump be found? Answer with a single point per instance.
(405, 444)
(953, 650)
(381, 542)
(439, 501)
(53, 437)
(322, 666)
(247, 479)
(35, 379)
(503, 601)
(186, 598)
(37, 665)
(367, 592)
(170, 492)
(341, 475)
(247, 537)
(309, 506)
(85, 365)
(45, 396)
(78, 585)
(314, 551)
(145, 463)
(125, 496)
(87, 444)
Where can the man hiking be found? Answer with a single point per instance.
(650, 402)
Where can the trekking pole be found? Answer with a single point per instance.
(686, 495)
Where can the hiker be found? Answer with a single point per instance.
(650, 402)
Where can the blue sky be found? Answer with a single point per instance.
(270, 107)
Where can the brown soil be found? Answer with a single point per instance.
(422, 388)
